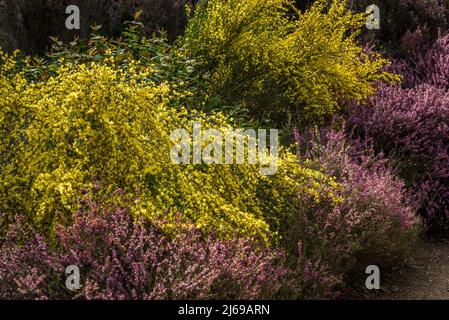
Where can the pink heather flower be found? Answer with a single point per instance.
(120, 259)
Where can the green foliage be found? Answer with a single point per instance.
(169, 63)
(98, 128)
(275, 61)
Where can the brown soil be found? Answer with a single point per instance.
(425, 278)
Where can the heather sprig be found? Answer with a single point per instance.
(410, 124)
(120, 258)
(374, 223)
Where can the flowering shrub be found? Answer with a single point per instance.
(93, 125)
(429, 67)
(28, 267)
(373, 223)
(405, 25)
(98, 125)
(122, 259)
(259, 56)
(410, 123)
(411, 126)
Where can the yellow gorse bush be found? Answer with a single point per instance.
(97, 128)
(266, 55)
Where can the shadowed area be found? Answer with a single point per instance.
(27, 24)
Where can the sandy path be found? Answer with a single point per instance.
(426, 277)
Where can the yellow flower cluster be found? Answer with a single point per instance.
(267, 55)
(98, 129)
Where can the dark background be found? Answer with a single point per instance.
(27, 24)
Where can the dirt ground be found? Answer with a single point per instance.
(425, 278)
